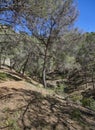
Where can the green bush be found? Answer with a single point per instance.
(59, 89)
(76, 114)
(90, 102)
(76, 98)
(3, 76)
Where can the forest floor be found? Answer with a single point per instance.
(26, 105)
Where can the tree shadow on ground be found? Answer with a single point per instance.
(29, 110)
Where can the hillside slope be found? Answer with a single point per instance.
(23, 106)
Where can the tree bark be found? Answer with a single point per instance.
(85, 74)
(23, 67)
(4, 59)
(25, 64)
(93, 78)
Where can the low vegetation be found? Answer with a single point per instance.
(47, 67)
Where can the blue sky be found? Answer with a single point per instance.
(86, 19)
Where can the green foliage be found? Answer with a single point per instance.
(60, 88)
(90, 102)
(11, 120)
(43, 8)
(13, 124)
(6, 76)
(76, 98)
(27, 53)
(76, 114)
(86, 53)
(3, 76)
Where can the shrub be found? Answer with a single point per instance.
(76, 98)
(76, 114)
(90, 102)
(59, 89)
(3, 76)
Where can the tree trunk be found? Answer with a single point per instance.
(4, 59)
(25, 64)
(93, 78)
(44, 78)
(85, 74)
(13, 65)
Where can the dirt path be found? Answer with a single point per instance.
(25, 85)
(22, 83)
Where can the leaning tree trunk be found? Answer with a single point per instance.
(25, 64)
